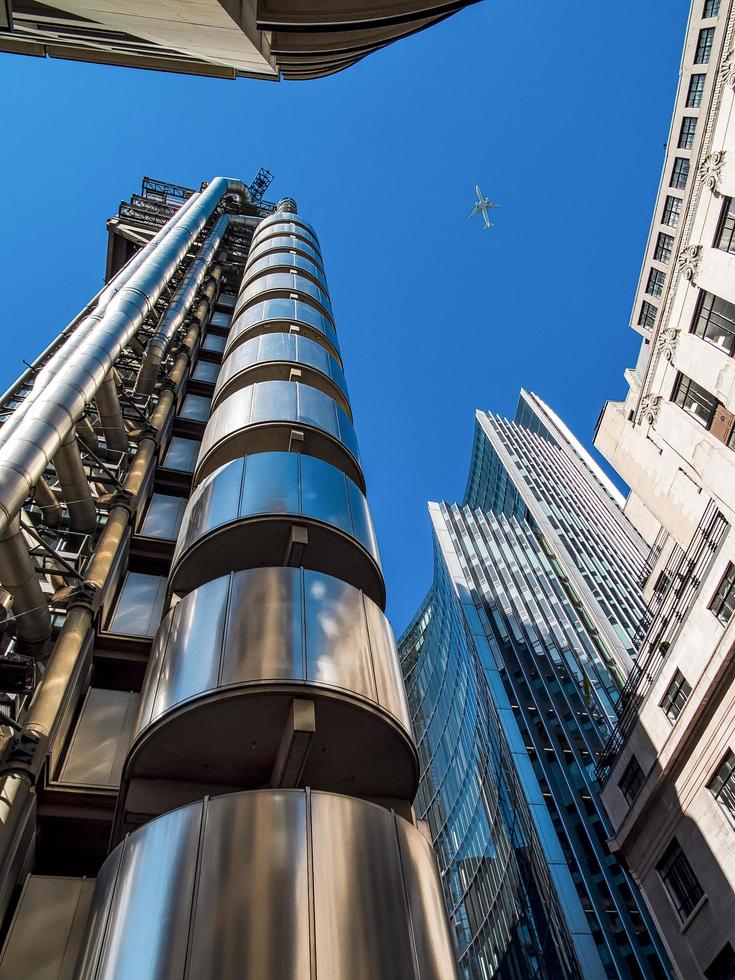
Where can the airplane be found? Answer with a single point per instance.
(482, 207)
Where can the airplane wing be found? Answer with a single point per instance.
(478, 192)
(488, 222)
(473, 212)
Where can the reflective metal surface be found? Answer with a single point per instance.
(270, 885)
(285, 286)
(277, 315)
(263, 417)
(257, 500)
(284, 262)
(229, 659)
(299, 225)
(285, 243)
(272, 356)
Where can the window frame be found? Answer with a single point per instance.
(717, 783)
(647, 315)
(632, 780)
(684, 383)
(656, 281)
(687, 132)
(695, 92)
(711, 9)
(705, 43)
(663, 249)
(675, 860)
(714, 316)
(679, 173)
(671, 704)
(672, 207)
(724, 596)
(726, 226)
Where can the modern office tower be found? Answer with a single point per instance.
(199, 673)
(223, 38)
(670, 768)
(513, 668)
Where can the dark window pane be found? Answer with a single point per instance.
(182, 454)
(722, 966)
(704, 46)
(715, 322)
(647, 316)
(711, 8)
(631, 782)
(140, 605)
(687, 131)
(722, 785)
(677, 694)
(723, 603)
(696, 91)
(726, 235)
(679, 880)
(206, 371)
(656, 280)
(694, 399)
(672, 211)
(163, 518)
(680, 173)
(664, 245)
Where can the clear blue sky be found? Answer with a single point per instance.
(558, 110)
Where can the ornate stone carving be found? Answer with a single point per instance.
(709, 169)
(689, 259)
(650, 405)
(667, 341)
(727, 69)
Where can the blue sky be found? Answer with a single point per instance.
(559, 110)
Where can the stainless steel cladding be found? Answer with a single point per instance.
(282, 316)
(274, 883)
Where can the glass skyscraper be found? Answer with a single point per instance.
(513, 667)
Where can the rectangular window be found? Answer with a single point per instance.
(182, 454)
(696, 91)
(680, 173)
(672, 211)
(139, 606)
(704, 46)
(195, 408)
(679, 880)
(221, 320)
(647, 316)
(715, 322)
(632, 780)
(722, 966)
(711, 8)
(664, 245)
(687, 131)
(216, 342)
(722, 785)
(677, 694)
(726, 233)
(656, 280)
(723, 603)
(163, 517)
(694, 399)
(206, 371)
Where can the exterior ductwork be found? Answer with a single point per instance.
(75, 486)
(48, 503)
(18, 576)
(52, 415)
(110, 413)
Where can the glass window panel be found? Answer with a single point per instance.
(656, 280)
(680, 173)
(271, 484)
(704, 46)
(216, 500)
(672, 211)
(679, 880)
(214, 342)
(664, 245)
(226, 301)
(163, 517)
(694, 399)
(723, 603)
(220, 319)
(711, 8)
(722, 785)
(715, 322)
(647, 316)
(264, 633)
(318, 409)
(347, 433)
(696, 91)
(139, 606)
(273, 400)
(726, 236)
(323, 493)
(687, 131)
(182, 454)
(361, 521)
(206, 371)
(676, 696)
(195, 408)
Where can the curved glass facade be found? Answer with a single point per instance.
(525, 636)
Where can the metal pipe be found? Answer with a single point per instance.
(18, 576)
(48, 502)
(52, 416)
(74, 485)
(85, 431)
(110, 413)
(81, 326)
(179, 307)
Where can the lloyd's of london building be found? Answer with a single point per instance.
(513, 667)
(207, 763)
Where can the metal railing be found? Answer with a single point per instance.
(685, 572)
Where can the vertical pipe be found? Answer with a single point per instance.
(110, 413)
(18, 576)
(75, 486)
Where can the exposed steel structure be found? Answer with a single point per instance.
(203, 678)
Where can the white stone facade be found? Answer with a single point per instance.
(679, 462)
